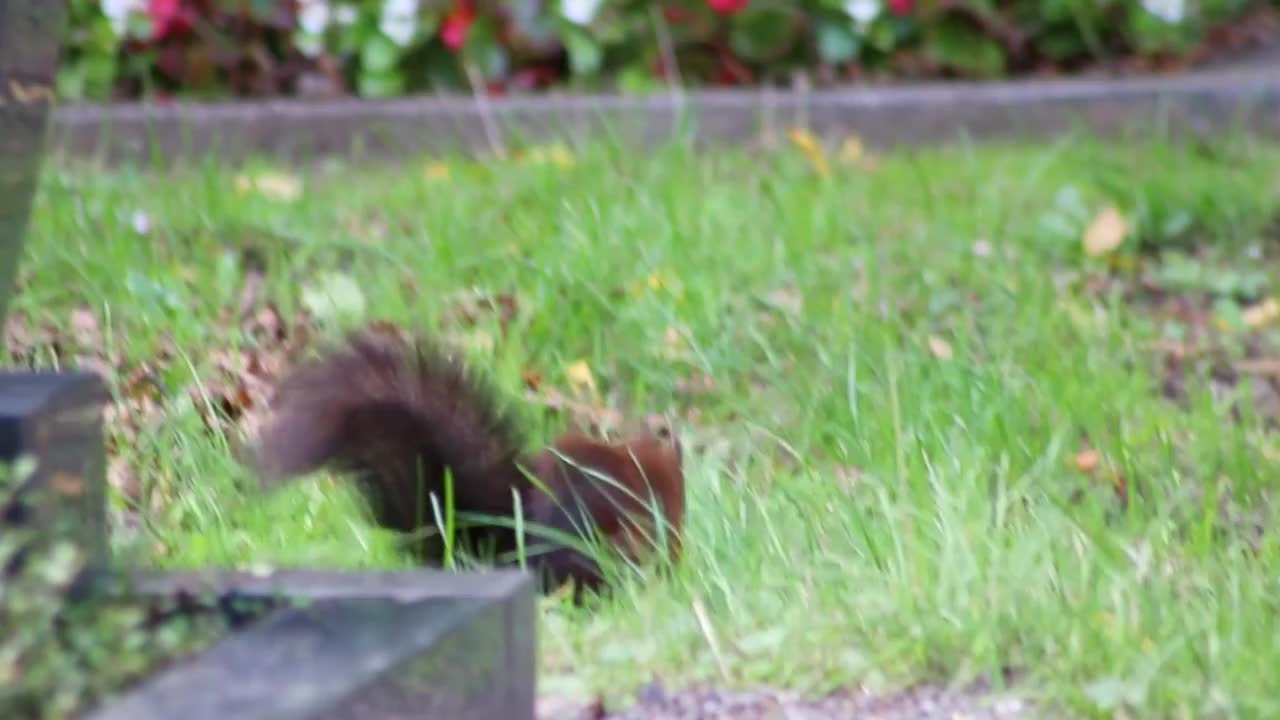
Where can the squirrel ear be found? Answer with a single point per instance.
(660, 426)
(655, 427)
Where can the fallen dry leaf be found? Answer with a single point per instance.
(788, 300)
(940, 348)
(848, 477)
(1107, 231)
(437, 170)
(265, 325)
(580, 376)
(1087, 461)
(85, 330)
(1266, 367)
(95, 364)
(467, 308)
(367, 230)
(698, 383)
(675, 345)
(557, 154)
(854, 154)
(532, 378)
(121, 476)
(1263, 313)
(253, 281)
(1121, 486)
(275, 186)
(333, 296)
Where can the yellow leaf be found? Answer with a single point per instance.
(1107, 231)
(1263, 313)
(560, 155)
(580, 375)
(811, 148)
(437, 170)
(659, 280)
(805, 140)
(555, 154)
(940, 348)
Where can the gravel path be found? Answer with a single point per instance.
(709, 703)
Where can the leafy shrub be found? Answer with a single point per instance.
(378, 48)
(65, 649)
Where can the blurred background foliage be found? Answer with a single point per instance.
(119, 49)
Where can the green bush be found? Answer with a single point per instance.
(378, 48)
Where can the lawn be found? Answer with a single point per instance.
(933, 433)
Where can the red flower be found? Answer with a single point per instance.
(167, 18)
(728, 7)
(901, 7)
(675, 15)
(453, 31)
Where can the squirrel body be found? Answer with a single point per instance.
(397, 415)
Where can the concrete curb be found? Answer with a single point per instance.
(1199, 103)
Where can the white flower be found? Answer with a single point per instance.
(141, 222)
(579, 12)
(117, 12)
(1170, 11)
(399, 28)
(399, 20)
(863, 11)
(400, 7)
(314, 18)
(346, 14)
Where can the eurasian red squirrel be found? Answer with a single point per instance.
(398, 413)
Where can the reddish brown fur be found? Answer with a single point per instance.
(648, 467)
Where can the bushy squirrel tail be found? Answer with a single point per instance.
(395, 414)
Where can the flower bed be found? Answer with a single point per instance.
(382, 48)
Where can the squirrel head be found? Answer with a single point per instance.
(654, 439)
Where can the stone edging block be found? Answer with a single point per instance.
(1198, 103)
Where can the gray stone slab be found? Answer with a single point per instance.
(376, 645)
(29, 32)
(55, 418)
(1245, 96)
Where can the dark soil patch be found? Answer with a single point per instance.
(1222, 341)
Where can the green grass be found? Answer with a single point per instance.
(860, 510)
